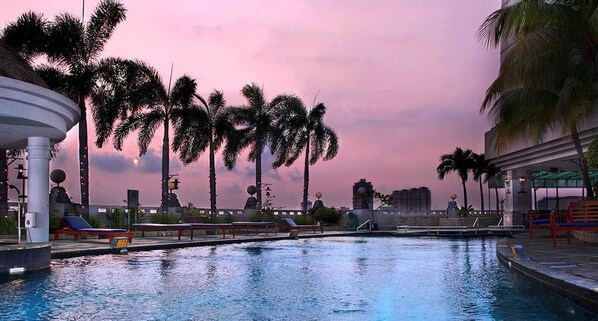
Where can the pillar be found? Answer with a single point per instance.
(518, 200)
(38, 162)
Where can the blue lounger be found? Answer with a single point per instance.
(77, 226)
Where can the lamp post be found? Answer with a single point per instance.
(21, 175)
(18, 211)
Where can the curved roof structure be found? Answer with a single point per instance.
(15, 67)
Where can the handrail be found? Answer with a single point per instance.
(475, 222)
(364, 223)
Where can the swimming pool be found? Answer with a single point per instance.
(340, 278)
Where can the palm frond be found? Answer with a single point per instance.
(107, 15)
(27, 35)
(65, 40)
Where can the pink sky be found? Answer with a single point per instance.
(402, 80)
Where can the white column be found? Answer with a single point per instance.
(38, 162)
(518, 201)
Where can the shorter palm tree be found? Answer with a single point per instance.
(491, 172)
(479, 168)
(200, 128)
(308, 133)
(459, 161)
(254, 129)
(165, 107)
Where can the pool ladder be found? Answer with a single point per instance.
(364, 223)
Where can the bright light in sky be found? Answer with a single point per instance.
(135, 161)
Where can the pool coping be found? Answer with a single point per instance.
(105, 249)
(581, 290)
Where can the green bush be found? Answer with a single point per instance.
(8, 226)
(94, 221)
(117, 218)
(328, 215)
(303, 220)
(592, 155)
(464, 212)
(164, 218)
(55, 219)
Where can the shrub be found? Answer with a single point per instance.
(303, 220)
(116, 219)
(592, 155)
(164, 218)
(94, 221)
(464, 212)
(329, 215)
(8, 226)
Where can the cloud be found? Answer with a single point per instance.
(295, 176)
(115, 163)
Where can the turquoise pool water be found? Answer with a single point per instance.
(343, 278)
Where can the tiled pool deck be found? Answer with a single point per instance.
(571, 270)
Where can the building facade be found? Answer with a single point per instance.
(414, 200)
(365, 200)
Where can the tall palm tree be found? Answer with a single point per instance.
(491, 172)
(254, 129)
(459, 161)
(165, 107)
(200, 128)
(479, 168)
(548, 76)
(73, 49)
(309, 134)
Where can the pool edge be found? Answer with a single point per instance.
(581, 290)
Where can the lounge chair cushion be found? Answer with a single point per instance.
(542, 221)
(76, 222)
(578, 224)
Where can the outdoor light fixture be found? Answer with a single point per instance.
(522, 184)
(508, 184)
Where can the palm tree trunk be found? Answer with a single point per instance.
(306, 177)
(83, 158)
(482, 195)
(464, 193)
(489, 198)
(258, 176)
(165, 165)
(583, 162)
(497, 205)
(212, 180)
(3, 183)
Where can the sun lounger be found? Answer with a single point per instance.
(208, 226)
(180, 228)
(254, 226)
(77, 226)
(291, 225)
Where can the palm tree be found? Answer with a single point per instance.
(459, 161)
(254, 129)
(73, 49)
(200, 128)
(548, 76)
(479, 168)
(491, 172)
(309, 134)
(163, 107)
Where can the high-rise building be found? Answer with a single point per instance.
(367, 199)
(412, 200)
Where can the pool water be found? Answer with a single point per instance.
(340, 278)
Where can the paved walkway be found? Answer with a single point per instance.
(571, 270)
(93, 246)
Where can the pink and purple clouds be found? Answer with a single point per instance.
(402, 80)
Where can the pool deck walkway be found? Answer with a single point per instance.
(571, 270)
(92, 246)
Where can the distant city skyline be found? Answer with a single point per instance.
(403, 82)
